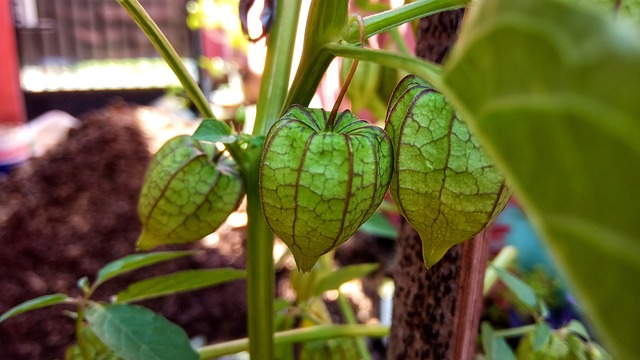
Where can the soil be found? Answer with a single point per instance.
(65, 215)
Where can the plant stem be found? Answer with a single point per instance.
(260, 271)
(383, 21)
(295, 336)
(515, 331)
(277, 67)
(429, 71)
(347, 82)
(350, 318)
(160, 42)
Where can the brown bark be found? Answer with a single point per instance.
(436, 311)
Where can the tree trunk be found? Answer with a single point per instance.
(436, 312)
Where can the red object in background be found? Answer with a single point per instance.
(12, 109)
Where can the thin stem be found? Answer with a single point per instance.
(383, 21)
(295, 336)
(399, 41)
(347, 81)
(350, 318)
(160, 42)
(277, 67)
(519, 331)
(429, 71)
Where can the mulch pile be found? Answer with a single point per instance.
(68, 213)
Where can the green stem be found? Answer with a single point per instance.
(429, 71)
(157, 38)
(82, 343)
(350, 318)
(160, 42)
(504, 259)
(277, 67)
(260, 271)
(295, 336)
(326, 23)
(519, 331)
(399, 41)
(383, 21)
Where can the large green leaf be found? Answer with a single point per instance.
(136, 261)
(553, 92)
(136, 333)
(178, 282)
(33, 304)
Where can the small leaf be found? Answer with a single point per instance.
(501, 350)
(541, 336)
(378, 225)
(578, 328)
(134, 262)
(33, 304)
(214, 131)
(486, 337)
(135, 333)
(177, 282)
(334, 279)
(518, 287)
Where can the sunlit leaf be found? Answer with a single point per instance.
(551, 90)
(214, 131)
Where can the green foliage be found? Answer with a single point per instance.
(319, 181)
(33, 304)
(546, 86)
(379, 225)
(214, 131)
(189, 190)
(134, 262)
(442, 183)
(134, 333)
(177, 282)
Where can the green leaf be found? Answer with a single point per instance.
(135, 333)
(379, 225)
(541, 335)
(136, 261)
(576, 327)
(334, 279)
(177, 282)
(518, 287)
(214, 131)
(33, 304)
(551, 91)
(495, 347)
